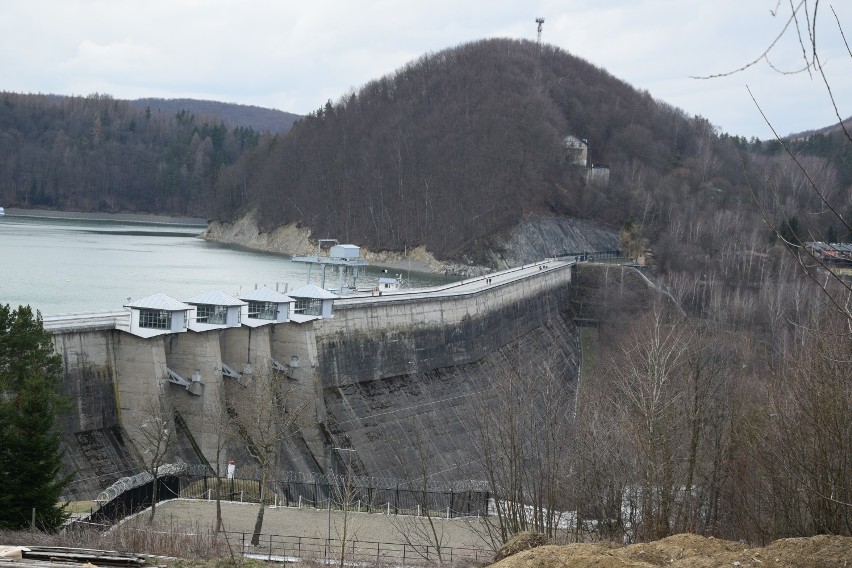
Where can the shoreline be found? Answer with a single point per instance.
(115, 217)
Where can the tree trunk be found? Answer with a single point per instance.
(153, 498)
(258, 524)
(218, 501)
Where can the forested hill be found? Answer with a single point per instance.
(454, 149)
(451, 152)
(97, 153)
(247, 116)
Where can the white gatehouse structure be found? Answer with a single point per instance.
(312, 302)
(158, 314)
(215, 310)
(266, 306)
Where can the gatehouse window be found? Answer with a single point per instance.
(217, 315)
(262, 310)
(308, 307)
(154, 319)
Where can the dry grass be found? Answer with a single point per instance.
(194, 548)
(80, 506)
(161, 538)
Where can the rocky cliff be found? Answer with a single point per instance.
(530, 240)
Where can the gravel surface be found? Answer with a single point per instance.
(309, 522)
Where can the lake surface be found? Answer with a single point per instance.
(61, 266)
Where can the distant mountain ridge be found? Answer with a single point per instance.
(101, 154)
(233, 114)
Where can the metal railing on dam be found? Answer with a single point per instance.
(468, 286)
(88, 321)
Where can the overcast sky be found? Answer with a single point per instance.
(295, 55)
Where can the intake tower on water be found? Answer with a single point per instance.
(370, 371)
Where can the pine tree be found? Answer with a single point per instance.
(30, 454)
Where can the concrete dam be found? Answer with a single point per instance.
(395, 376)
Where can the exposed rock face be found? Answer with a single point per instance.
(535, 239)
(530, 240)
(289, 239)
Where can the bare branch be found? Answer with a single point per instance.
(762, 56)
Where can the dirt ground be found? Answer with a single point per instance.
(679, 551)
(690, 551)
(308, 522)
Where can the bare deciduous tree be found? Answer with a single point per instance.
(343, 491)
(802, 439)
(425, 527)
(216, 414)
(667, 391)
(263, 416)
(523, 438)
(155, 433)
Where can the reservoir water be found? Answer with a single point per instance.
(61, 266)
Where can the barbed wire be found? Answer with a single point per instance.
(131, 482)
(358, 481)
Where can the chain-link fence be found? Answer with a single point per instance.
(322, 492)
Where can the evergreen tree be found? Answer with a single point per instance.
(30, 454)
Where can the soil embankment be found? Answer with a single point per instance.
(530, 241)
(689, 551)
(295, 240)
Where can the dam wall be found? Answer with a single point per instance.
(95, 445)
(403, 380)
(116, 382)
(375, 340)
(381, 374)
